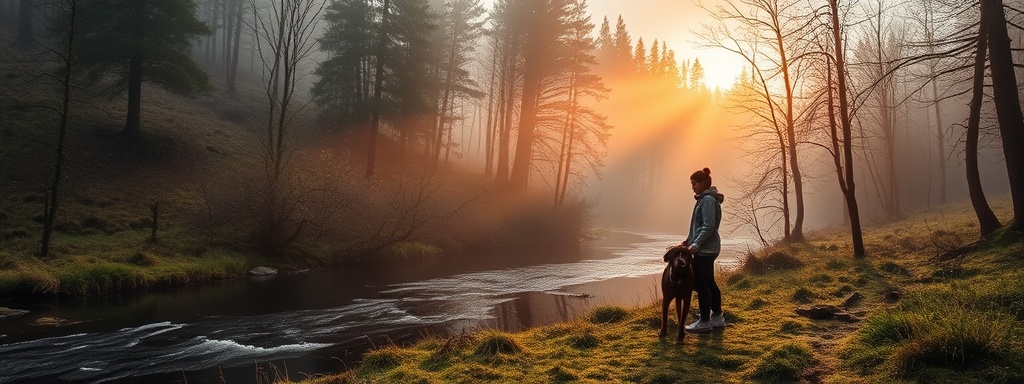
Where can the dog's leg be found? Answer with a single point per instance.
(665, 316)
(680, 316)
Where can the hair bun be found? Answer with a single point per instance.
(707, 171)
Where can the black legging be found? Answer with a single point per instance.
(708, 296)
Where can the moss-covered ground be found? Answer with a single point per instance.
(937, 307)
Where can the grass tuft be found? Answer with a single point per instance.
(561, 375)
(773, 261)
(584, 340)
(802, 295)
(608, 314)
(783, 364)
(382, 359)
(493, 343)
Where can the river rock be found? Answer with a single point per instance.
(263, 271)
(49, 321)
(825, 312)
(8, 312)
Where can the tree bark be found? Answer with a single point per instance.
(987, 220)
(1007, 101)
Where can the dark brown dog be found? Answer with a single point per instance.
(676, 283)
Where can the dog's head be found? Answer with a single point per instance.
(678, 256)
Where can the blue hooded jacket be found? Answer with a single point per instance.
(707, 217)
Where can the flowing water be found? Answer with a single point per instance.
(321, 321)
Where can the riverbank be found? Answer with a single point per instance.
(927, 305)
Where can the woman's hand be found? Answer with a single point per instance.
(692, 249)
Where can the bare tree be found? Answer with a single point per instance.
(67, 62)
(285, 36)
(765, 33)
(844, 164)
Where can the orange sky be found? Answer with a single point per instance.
(672, 21)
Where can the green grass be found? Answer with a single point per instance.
(961, 325)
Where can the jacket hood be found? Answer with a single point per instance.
(713, 191)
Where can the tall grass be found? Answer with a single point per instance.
(959, 328)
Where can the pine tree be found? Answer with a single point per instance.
(654, 68)
(640, 57)
(140, 41)
(623, 48)
(697, 77)
(342, 90)
(605, 42)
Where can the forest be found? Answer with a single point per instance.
(159, 147)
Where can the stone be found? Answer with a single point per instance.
(49, 321)
(892, 296)
(263, 271)
(826, 312)
(8, 312)
(852, 300)
(819, 311)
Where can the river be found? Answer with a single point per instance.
(322, 321)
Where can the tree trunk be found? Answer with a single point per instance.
(442, 118)
(53, 192)
(378, 83)
(232, 61)
(520, 174)
(25, 40)
(132, 125)
(508, 87)
(489, 146)
(565, 138)
(987, 220)
(1007, 101)
(942, 142)
(797, 234)
(844, 115)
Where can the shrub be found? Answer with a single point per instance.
(608, 314)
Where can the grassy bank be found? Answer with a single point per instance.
(936, 308)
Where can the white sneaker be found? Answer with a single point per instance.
(717, 320)
(699, 326)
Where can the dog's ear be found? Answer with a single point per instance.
(668, 254)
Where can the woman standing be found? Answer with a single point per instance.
(705, 244)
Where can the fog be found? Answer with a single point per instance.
(645, 124)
